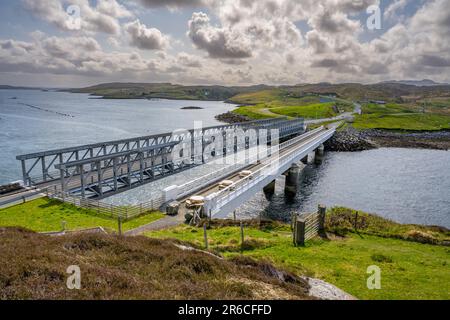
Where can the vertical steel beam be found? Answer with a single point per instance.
(25, 176)
(115, 173)
(141, 166)
(99, 178)
(44, 172)
(81, 173)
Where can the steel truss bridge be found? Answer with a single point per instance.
(102, 169)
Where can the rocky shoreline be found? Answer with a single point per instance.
(353, 140)
(231, 118)
(350, 140)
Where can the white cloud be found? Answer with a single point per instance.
(238, 42)
(146, 38)
(102, 18)
(218, 42)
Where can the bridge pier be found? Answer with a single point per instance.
(319, 154)
(269, 190)
(292, 180)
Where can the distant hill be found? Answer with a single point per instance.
(6, 87)
(418, 83)
(395, 92)
(165, 91)
(389, 91)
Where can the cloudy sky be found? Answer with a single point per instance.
(71, 43)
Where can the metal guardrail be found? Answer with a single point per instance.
(22, 198)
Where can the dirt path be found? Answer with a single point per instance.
(164, 223)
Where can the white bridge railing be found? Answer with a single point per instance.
(219, 199)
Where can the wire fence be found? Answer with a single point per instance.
(105, 209)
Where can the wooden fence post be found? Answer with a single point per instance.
(120, 224)
(299, 232)
(322, 210)
(294, 228)
(205, 236)
(242, 236)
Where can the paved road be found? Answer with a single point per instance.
(10, 200)
(342, 116)
(163, 223)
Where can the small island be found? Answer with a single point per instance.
(191, 108)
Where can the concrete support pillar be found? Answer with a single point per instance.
(292, 180)
(318, 157)
(269, 190)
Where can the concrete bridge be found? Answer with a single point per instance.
(218, 202)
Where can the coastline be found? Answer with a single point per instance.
(351, 140)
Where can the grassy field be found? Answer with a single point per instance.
(280, 102)
(313, 111)
(412, 122)
(409, 270)
(47, 215)
(400, 117)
